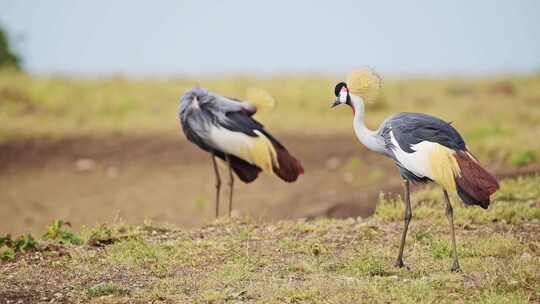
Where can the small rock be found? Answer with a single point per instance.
(332, 163)
(316, 249)
(331, 192)
(271, 228)
(112, 172)
(85, 165)
(58, 295)
(348, 177)
(526, 256)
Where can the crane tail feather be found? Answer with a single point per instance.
(245, 171)
(271, 156)
(475, 184)
(289, 168)
(457, 171)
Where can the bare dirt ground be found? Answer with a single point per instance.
(164, 178)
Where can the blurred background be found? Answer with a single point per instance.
(89, 94)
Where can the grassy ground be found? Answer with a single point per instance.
(499, 117)
(322, 261)
(244, 260)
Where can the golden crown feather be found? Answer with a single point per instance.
(364, 82)
(261, 99)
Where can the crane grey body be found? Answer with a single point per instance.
(408, 129)
(201, 110)
(225, 128)
(424, 149)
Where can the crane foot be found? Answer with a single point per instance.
(399, 264)
(455, 267)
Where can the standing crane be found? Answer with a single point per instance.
(424, 149)
(225, 128)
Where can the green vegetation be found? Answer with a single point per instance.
(524, 158)
(499, 117)
(9, 247)
(323, 261)
(58, 233)
(104, 289)
(8, 59)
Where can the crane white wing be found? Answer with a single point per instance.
(417, 161)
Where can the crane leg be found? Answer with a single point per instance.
(450, 216)
(218, 183)
(231, 183)
(407, 218)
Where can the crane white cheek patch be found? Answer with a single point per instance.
(343, 95)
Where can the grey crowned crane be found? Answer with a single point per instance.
(424, 149)
(225, 128)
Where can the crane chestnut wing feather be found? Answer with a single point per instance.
(413, 128)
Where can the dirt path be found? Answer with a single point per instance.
(164, 178)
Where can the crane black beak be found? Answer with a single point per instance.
(336, 103)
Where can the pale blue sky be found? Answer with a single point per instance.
(273, 37)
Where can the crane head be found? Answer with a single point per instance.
(342, 94)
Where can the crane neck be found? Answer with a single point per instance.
(367, 137)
